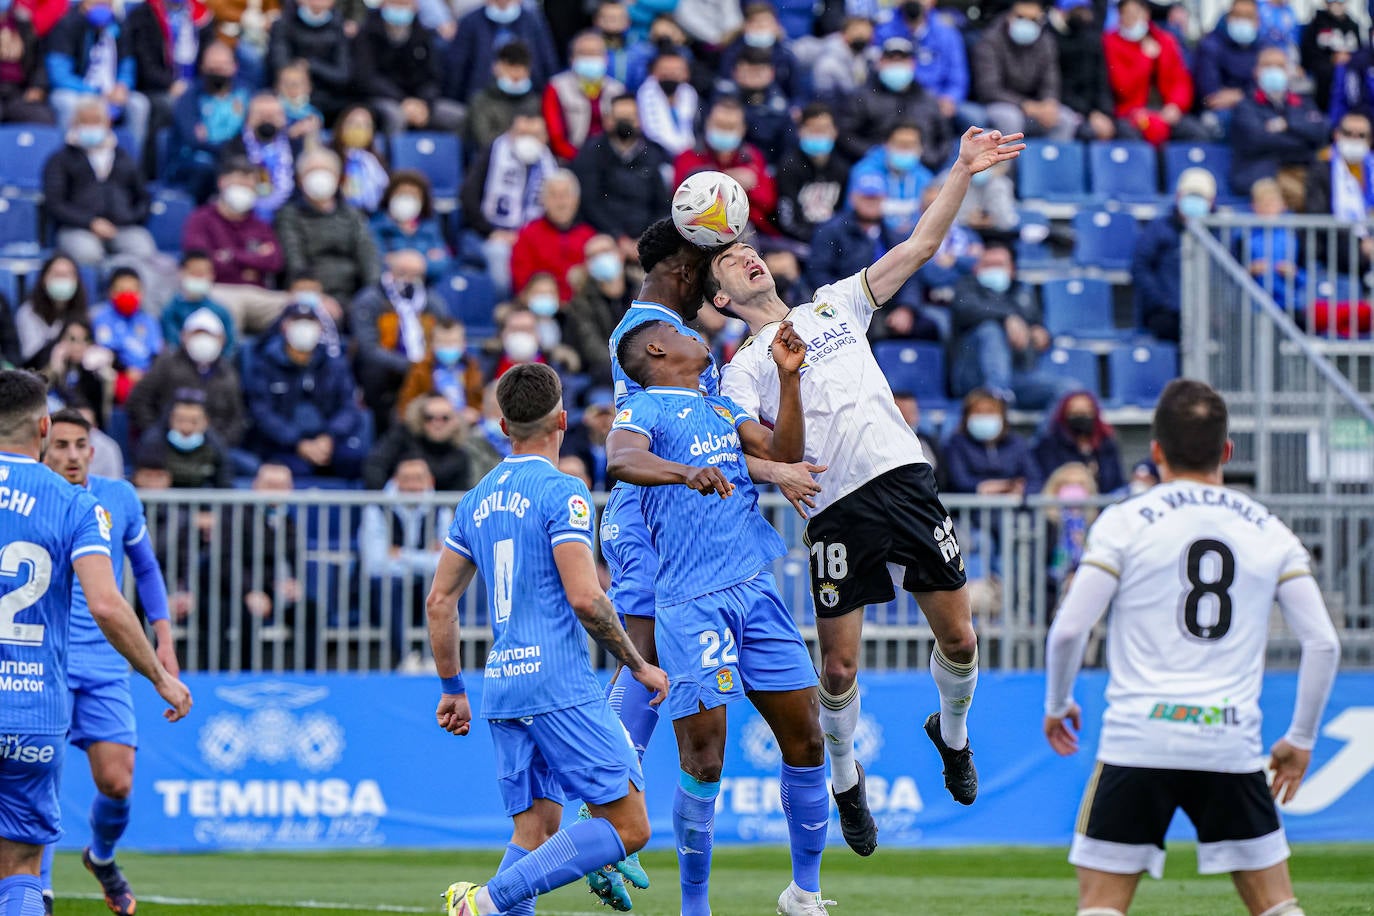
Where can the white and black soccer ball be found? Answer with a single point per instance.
(710, 209)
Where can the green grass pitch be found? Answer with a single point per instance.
(1332, 880)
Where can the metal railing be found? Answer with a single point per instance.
(288, 582)
(1284, 347)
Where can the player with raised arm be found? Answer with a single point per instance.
(880, 504)
(50, 532)
(723, 632)
(528, 528)
(98, 677)
(1191, 571)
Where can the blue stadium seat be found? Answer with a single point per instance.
(1104, 239)
(1073, 363)
(1032, 242)
(1078, 307)
(1140, 371)
(1126, 170)
(24, 150)
(19, 229)
(918, 368)
(471, 299)
(166, 215)
(124, 139)
(1052, 171)
(438, 156)
(1214, 157)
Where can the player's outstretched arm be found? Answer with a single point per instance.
(787, 440)
(1304, 610)
(451, 578)
(978, 150)
(628, 458)
(795, 480)
(577, 569)
(120, 625)
(1089, 597)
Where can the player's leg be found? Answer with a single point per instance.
(1239, 832)
(1119, 834)
(45, 875)
(533, 827)
(701, 756)
(29, 817)
(103, 725)
(21, 890)
(1102, 893)
(628, 697)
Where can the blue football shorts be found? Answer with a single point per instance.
(102, 709)
(30, 769)
(579, 752)
(720, 646)
(629, 553)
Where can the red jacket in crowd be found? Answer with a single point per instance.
(541, 247)
(1139, 68)
(763, 196)
(244, 251)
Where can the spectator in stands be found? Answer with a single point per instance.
(242, 246)
(1279, 26)
(999, 336)
(554, 242)
(405, 219)
(812, 176)
(510, 94)
(955, 259)
(321, 233)
(540, 299)
(108, 460)
(577, 102)
(164, 41)
(57, 296)
(364, 178)
(1271, 251)
(767, 110)
(315, 34)
(23, 75)
(941, 62)
(898, 163)
(447, 370)
(93, 192)
(199, 362)
(205, 119)
(391, 321)
(893, 97)
(501, 191)
(1083, 70)
(1077, 433)
(1329, 41)
(517, 340)
(1224, 65)
(1016, 72)
(597, 306)
(763, 31)
(1144, 61)
(486, 445)
(612, 22)
(724, 150)
(990, 204)
(301, 399)
(193, 294)
(484, 32)
(433, 431)
(397, 69)
(76, 369)
(621, 173)
(1072, 485)
(668, 103)
(266, 146)
(1276, 132)
(88, 57)
(303, 120)
(1157, 266)
(190, 450)
(986, 457)
(123, 327)
(841, 68)
(911, 413)
(1143, 476)
(1342, 184)
(587, 441)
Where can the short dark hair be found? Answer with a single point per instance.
(622, 97)
(815, 110)
(726, 103)
(1191, 425)
(658, 243)
(236, 165)
(759, 57)
(634, 362)
(120, 272)
(188, 397)
(514, 54)
(23, 399)
(195, 254)
(73, 416)
(906, 125)
(528, 393)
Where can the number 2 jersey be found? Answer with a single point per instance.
(45, 525)
(508, 525)
(1198, 567)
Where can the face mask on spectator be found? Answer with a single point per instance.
(1081, 424)
(404, 207)
(1135, 32)
(239, 198)
(195, 287)
(1242, 31)
(126, 302)
(356, 136)
(591, 69)
(902, 160)
(1072, 493)
(312, 18)
(320, 184)
(1023, 31)
(527, 149)
(60, 289)
(896, 77)
(1273, 81)
(981, 178)
(503, 15)
(669, 86)
(605, 267)
(760, 39)
(984, 427)
(185, 442)
(448, 356)
(372, 4)
(521, 346)
(995, 279)
(398, 16)
(723, 141)
(816, 146)
(204, 348)
(545, 305)
(626, 130)
(91, 137)
(266, 132)
(1352, 151)
(100, 16)
(1194, 205)
(514, 87)
(859, 45)
(303, 336)
(215, 83)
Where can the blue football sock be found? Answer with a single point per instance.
(564, 858)
(515, 854)
(807, 808)
(45, 870)
(21, 895)
(630, 701)
(109, 818)
(694, 819)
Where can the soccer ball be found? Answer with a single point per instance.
(710, 209)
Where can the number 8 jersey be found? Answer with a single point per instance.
(1198, 568)
(45, 524)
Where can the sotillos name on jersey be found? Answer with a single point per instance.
(500, 501)
(16, 501)
(712, 445)
(515, 661)
(1206, 497)
(21, 677)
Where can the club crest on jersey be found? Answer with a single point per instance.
(826, 311)
(829, 594)
(725, 414)
(725, 680)
(102, 518)
(579, 513)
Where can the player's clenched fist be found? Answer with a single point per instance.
(789, 350)
(655, 679)
(708, 480)
(454, 715)
(177, 695)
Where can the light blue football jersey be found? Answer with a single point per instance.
(45, 525)
(91, 653)
(508, 525)
(641, 312)
(704, 543)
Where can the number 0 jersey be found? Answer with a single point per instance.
(45, 525)
(1198, 568)
(508, 525)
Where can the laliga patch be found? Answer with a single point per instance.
(725, 414)
(579, 513)
(623, 416)
(725, 680)
(102, 518)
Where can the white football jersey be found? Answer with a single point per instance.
(1198, 568)
(852, 423)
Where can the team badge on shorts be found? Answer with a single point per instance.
(829, 594)
(826, 310)
(725, 680)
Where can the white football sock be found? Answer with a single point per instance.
(839, 720)
(1100, 911)
(1287, 908)
(956, 683)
